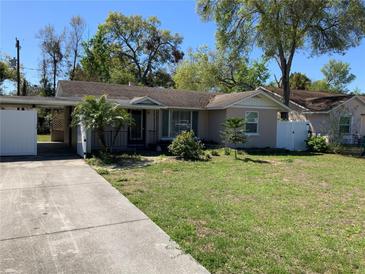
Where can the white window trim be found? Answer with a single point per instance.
(350, 125)
(258, 122)
(169, 123)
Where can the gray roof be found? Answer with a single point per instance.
(167, 97)
(224, 100)
(315, 101)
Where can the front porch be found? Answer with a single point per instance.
(143, 134)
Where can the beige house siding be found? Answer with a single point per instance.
(319, 123)
(267, 126)
(362, 130)
(216, 119)
(203, 117)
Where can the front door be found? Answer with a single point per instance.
(136, 130)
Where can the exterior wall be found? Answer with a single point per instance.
(295, 116)
(319, 123)
(203, 118)
(57, 126)
(267, 126)
(216, 119)
(210, 125)
(67, 126)
(362, 130)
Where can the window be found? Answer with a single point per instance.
(345, 124)
(252, 122)
(176, 121)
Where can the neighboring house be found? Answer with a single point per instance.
(339, 116)
(160, 114)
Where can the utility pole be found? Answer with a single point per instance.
(17, 65)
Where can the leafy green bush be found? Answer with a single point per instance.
(186, 146)
(317, 144)
(227, 151)
(215, 152)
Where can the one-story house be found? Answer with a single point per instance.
(160, 114)
(339, 116)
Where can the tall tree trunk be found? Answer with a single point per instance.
(286, 90)
(54, 75)
(73, 66)
(100, 134)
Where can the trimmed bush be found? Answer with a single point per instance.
(317, 144)
(186, 146)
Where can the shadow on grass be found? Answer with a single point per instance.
(246, 160)
(279, 152)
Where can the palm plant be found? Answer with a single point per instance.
(99, 113)
(234, 132)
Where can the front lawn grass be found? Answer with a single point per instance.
(260, 214)
(43, 138)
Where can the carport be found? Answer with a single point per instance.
(18, 122)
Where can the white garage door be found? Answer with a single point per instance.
(18, 132)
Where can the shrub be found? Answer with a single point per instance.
(335, 148)
(317, 144)
(215, 153)
(186, 146)
(227, 151)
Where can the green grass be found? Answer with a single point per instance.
(43, 138)
(260, 214)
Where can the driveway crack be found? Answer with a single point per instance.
(71, 230)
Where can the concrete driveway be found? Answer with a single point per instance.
(60, 216)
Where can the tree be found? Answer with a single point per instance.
(299, 81)
(234, 132)
(6, 72)
(52, 45)
(206, 70)
(337, 75)
(99, 113)
(132, 44)
(77, 25)
(319, 85)
(282, 27)
(45, 83)
(198, 71)
(98, 60)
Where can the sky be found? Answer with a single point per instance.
(24, 19)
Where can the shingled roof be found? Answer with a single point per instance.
(167, 97)
(223, 100)
(315, 100)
